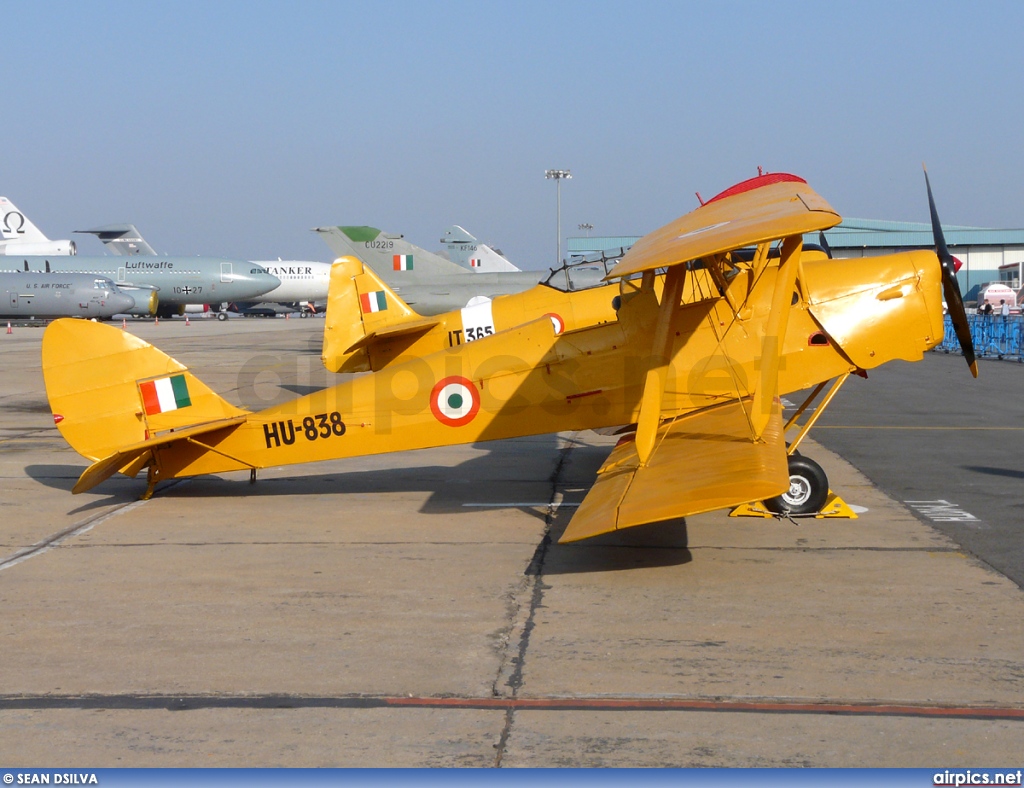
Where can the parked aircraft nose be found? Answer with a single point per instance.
(121, 302)
(256, 279)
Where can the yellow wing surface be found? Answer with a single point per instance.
(703, 461)
(762, 209)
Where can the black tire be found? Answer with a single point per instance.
(222, 315)
(808, 488)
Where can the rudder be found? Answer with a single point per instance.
(108, 389)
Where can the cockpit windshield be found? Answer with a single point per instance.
(103, 283)
(583, 273)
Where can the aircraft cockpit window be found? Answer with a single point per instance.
(103, 284)
(584, 273)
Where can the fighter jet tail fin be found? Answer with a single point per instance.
(467, 251)
(109, 390)
(360, 309)
(395, 260)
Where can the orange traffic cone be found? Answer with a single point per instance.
(156, 321)
(9, 327)
(186, 321)
(287, 315)
(124, 323)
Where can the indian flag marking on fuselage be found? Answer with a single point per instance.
(477, 319)
(164, 394)
(454, 401)
(403, 262)
(373, 302)
(557, 322)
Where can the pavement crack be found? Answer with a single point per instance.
(536, 586)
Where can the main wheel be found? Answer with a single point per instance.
(808, 488)
(222, 315)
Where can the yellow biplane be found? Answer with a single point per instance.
(702, 326)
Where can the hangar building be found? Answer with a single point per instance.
(987, 255)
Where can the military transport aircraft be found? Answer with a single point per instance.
(743, 317)
(34, 295)
(177, 281)
(303, 282)
(422, 279)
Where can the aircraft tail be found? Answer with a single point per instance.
(15, 226)
(395, 260)
(468, 252)
(121, 239)
(109, 390)
(18, 236)
(360, 307)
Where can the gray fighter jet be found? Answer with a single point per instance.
(424, 280)
(35, 295)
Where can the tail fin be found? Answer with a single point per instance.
(15, 226)
(465, 250)
(121, 239)
(19, 236)
(361, 307)
(109, 389)
(395, 260)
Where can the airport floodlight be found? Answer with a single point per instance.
(558, 176)
(586, 227)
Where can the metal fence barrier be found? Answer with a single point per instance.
(993, 337)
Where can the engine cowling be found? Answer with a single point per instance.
(41, 248)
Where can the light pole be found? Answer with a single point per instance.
(587, 227)
(559, 176)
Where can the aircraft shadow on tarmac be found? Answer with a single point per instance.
(1011, 473)
(659, 544)
(645, 546)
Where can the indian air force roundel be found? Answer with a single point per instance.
(454, 401)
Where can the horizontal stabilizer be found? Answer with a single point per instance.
(108, 466)
(762, 209)
(421, 326)
(703, 461)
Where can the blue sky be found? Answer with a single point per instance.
(233, 128)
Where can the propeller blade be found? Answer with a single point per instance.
(823, 243)
(950, 286)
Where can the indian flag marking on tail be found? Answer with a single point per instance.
(403, 262)
(373, 302)
(164, 394)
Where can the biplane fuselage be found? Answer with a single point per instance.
(705, 341)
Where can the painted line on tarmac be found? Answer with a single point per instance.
(72, 531)
(621, 704)
(513, 505)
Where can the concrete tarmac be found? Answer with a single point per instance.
(414, 609)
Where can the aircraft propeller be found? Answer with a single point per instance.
(950, 286)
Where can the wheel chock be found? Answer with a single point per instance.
(834, 508)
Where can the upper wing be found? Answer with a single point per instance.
(703, 461)
(761, 209)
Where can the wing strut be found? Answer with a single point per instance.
(654, 384)
(767, 385)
